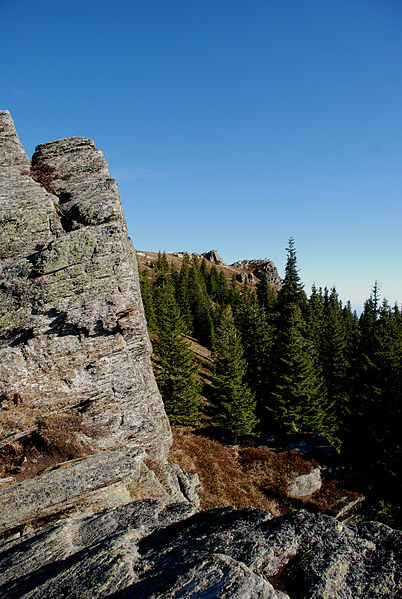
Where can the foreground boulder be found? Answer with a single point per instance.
(149, 550)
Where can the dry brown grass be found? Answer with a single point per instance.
(252, 477)
(222, 477)
(55, 439)
(274, 470)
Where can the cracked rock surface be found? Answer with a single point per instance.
(72, 328)
(149, 550)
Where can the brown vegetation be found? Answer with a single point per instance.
(252, 476)
(44, 174)
(222, 477)
(53, 440)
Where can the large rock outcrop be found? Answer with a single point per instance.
(83, 427)
(73, 335)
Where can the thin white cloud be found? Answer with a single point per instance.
(139, 173)
(17, 91)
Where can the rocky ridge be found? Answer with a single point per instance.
(108, 516)
(250, 271)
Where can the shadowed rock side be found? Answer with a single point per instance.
(72, 330)
(148, 550)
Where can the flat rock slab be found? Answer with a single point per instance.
(71, 485)
(101, 481)
(147, 550)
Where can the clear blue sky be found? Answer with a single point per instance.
(229, 124)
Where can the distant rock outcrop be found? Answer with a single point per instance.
(261, 268)
(213, 256)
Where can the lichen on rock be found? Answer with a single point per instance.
(72, 329)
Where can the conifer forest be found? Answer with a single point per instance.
(282, 362)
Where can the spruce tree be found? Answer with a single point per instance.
(267, 296)
(183, 292)
(257, 340)
(315, 317)
(291, 293)
(203, 328)
(147, 300)
(176, 367)
(297, 400)
(335, 363)
(162, 264)
(233, 403)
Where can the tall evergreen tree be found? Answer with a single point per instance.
(291, 293)
(176, 367)
(267, 296)
(183, 292)
(147, 300)
(257, 340)
(233, 403)
(335, 363)
(379, 387)
(162, 264)
(200, 303)
(315, 317)
(297, 398)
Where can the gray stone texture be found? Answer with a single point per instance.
(305, 484)
(149, 550)
(72, 328)
(90, 485)
(261, 268)
(213, 256)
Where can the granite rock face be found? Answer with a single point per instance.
(148, 550)
(73, 335)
